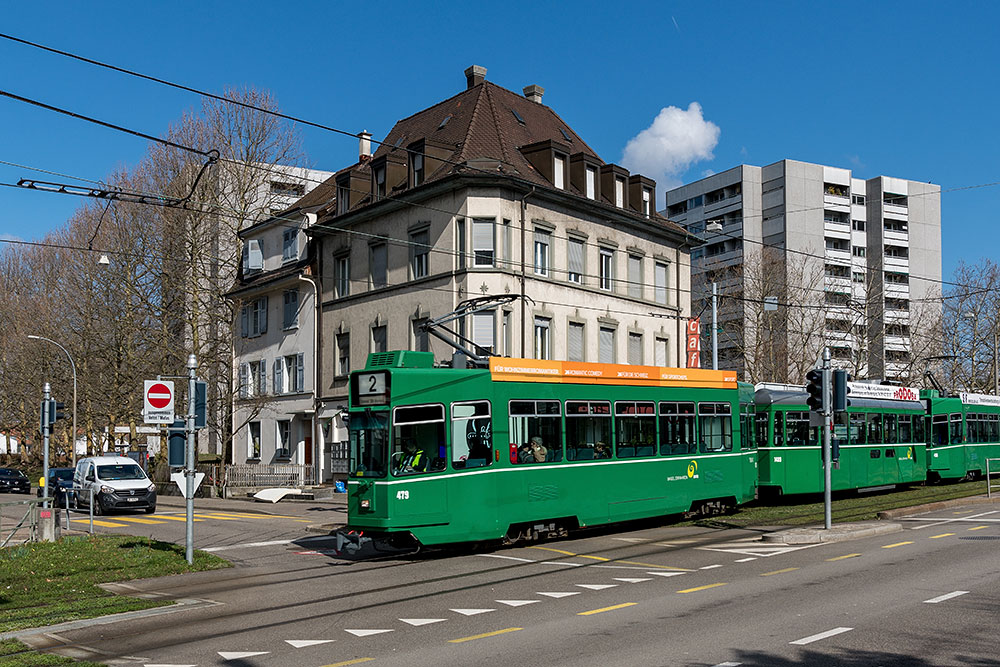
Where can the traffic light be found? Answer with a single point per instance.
(818, 388)
(841, 390)
(54, 413)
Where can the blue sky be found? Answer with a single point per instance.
(894, 88)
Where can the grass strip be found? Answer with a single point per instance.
(15, 654)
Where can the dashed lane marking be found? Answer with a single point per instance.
(366, 632)
(356, 661)
(709, 567)
(515, 558)
(633, 540)
(978, 527)
(552, 562)
(558, 551)
(946, 596)
(239, 655)
(666, 574)
(417, 622)
(822, 635)
(601, 558)
(745, 560)
(787, 569)
(842, 557)
(754, 547)
(897, 544)
(604, 609)
(303, 643)
(484, 635)
(729, 664)
(701, 588)
(935, 537)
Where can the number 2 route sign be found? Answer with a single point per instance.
(158, 402)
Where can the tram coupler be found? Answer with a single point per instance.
(351, 540)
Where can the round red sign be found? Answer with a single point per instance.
(159, 396)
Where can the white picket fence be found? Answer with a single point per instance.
(265, 475)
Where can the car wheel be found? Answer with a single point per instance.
(98, 508)
(150, 510)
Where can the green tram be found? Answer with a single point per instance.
(527, 447)
(963, 432)
(880, 440)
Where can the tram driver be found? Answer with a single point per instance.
(414, 459)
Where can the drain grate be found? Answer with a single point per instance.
(981, 537)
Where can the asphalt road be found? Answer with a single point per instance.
(658, 596)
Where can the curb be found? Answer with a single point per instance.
(324, 528)
(837, 533)
(940, 505)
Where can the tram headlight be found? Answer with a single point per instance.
(366, 504)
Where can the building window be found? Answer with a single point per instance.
(559, 172)
(253, 379)
(379, 177)
(858, 225)
(379, 339)
(287, 189)
(343, 354)
(253, 318)
(417, 160)
(660, 347)
(542, 239)
(284, 433)
(378, 263)
(289, 374)
(484, 331)
(253, 256)
(289, 245)
(859, 277)
(858, 251)
(419, 253)
(291, 308)
(575, 254)
(647, 195)
(620, 192)
(591, 184)
(421, 340)
(575, 342)
(342, 276)
(483, 250)
(343, 199)
(635, 276)
(508, 255)
(508, 334)
(858, 199)
(460, 241)
(660, 282)
(542, 338)
(635, 349)
(607, 269)
(253, 440)
(606, 345)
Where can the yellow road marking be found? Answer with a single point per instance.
(558, 551)
(897, 544)
(612, 560)
(174, 518)
(934, 537)
(349, 662)
(136, 519)
(963, 512)
(106, 524)
(469, 639)
(604, 609)
(250, 515)
(787, 569)
(843, 557)
(303, 521)
(658, 567)
(977, 527)
(700, 588)
(220, 518)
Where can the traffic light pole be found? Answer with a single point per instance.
(827, 438)
(192, 365)
(47, 420)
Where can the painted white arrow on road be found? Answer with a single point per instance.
(302, 643)
(366, 633)
(472, 612)
(516, 603)
(633, 580)
(596, 587)
(236, 655)
(422, 621)
(560, 594)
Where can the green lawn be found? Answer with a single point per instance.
(15, 654)
(52, 582)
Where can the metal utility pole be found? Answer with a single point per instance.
(827, 437)
(47, 419)
(192, 365)
(715, 326)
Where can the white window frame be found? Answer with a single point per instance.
(620, 192)
(559, 171)
(571, 328)
(543, 337)
(661, 282)
(484, 243)
(591, 182)
(342, 275)
(542, 244)
(602, 356)
(607, 269)
(575, 274)
(635, 281)
(420, 253)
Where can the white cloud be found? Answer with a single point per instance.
(666, 149)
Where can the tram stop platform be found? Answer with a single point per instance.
(839, 532)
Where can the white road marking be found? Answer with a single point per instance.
(666, 574)
(273, 543)
(516, 603)
(422, 621)
(523, 560)
(946, 596)
(560, 594)
(729, 664)
(552, 562)
(633, 580)
(940, 522)
(367, 633)
(822, 635)
(754, 547)
(596, 587)
(472, 612)
(745, 560)
(302, 643)
(630, 539)
(709, 567)
(237, 655)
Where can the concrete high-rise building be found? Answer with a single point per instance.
(807, 256)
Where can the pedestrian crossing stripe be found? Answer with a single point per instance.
(104, 524)
(136, 519)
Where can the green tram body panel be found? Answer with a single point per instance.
(459, 505)
(962, 432)
(791, 461)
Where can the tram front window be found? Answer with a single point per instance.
(369, 443)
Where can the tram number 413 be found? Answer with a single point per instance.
(402, 495)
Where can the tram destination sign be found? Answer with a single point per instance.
(372, 388)
(980, 399)
(883, 391)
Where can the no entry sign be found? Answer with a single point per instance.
(158, 402)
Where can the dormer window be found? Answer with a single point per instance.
(646, 195)
(417, 162)
(289, 245)
(343, 198)
(591, 183)
(559, 172)
(379, 176)
(253, 256)
(620, 192)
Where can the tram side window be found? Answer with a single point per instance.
(677, 428)
(976, 427)
(874, 428)
(840, 426)
(905, 431)
(635, 430)
(588, 427)
(760, 424)
(858, 428)
(747, 434)
(715, 424)
(955, 428)
(939, 430)
(418, 442)
(797, 428)
(918, 428)
(994, 428)
(471, 435)
(779, 428)
(889, 426)
(535, 419)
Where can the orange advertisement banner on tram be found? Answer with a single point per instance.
(503, 369)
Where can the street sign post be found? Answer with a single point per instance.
(158, 402)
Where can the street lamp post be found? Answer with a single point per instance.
(73, 366)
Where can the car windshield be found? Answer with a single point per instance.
(369, 443)
(124, 471)
(10, 472)
(65, 473)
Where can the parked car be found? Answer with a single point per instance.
(117, 482)
(14, 481)
(60, 479)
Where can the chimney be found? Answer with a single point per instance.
(475, 75)
(364, 146)
(534, 93)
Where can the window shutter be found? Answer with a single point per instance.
(606, 346)
(279, 385)
(255, 254)
(262, 377)
(576, 259)
(246, 256)
(300, 370)
(482, 329)
(660, 283)
(263, 314)
(482, 235)
(245, 321)
(575, 342)
(634, 349)
(634, 276)
(244, 380)
(660, 351)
